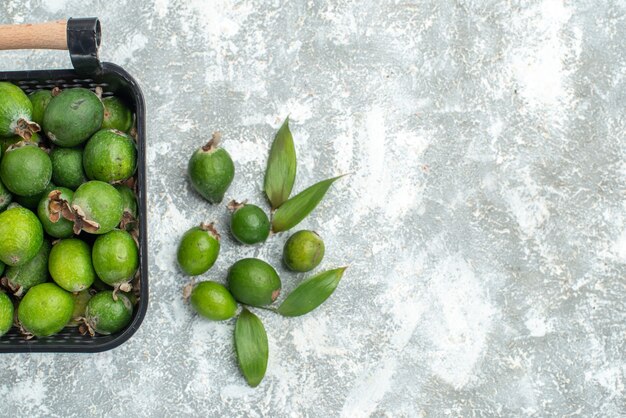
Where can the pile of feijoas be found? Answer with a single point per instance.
(68, 212)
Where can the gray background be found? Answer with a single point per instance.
(484, 221)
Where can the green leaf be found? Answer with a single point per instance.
(311, 293)
(298, 207)
(251, 346)
(281, 167)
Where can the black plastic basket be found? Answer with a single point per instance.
(83, 41)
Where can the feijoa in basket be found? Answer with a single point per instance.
(73, 252)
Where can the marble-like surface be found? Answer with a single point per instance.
(484, 221)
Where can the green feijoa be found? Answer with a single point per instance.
(115, 257)
(50, 210)
(6, 313)
(116, 114)
(303, 251)
(67, 167)
(131, 297)
(198, 249)
(45, 309)
(97, 207)
(5, 197)
(73, 116)
(110, 156)
(70, 264)
(29, 202)
(211, 170)
(129, 202)
(248, 223)
(32, 202)
(21, 236)
(5, 143)
(253, 282)
(107, 313)
(39, 99)
(25, 169)
(15, 112)
(34, 272)
(38, 139)
(80, 304)
(213, 301)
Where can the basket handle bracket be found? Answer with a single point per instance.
(81, 36)
(83, 41)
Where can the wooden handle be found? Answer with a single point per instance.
(48, 35)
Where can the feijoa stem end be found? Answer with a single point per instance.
(25, 333)
(85, 327)
(26, 128)
(19, 145)
(188, 289)
(233, 205)
(15, 289)
(124, 287)
(213, 143)
(77, 215)
(128, 221)
(210, 228)
(58, 207)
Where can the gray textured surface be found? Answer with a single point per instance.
(484, 222)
